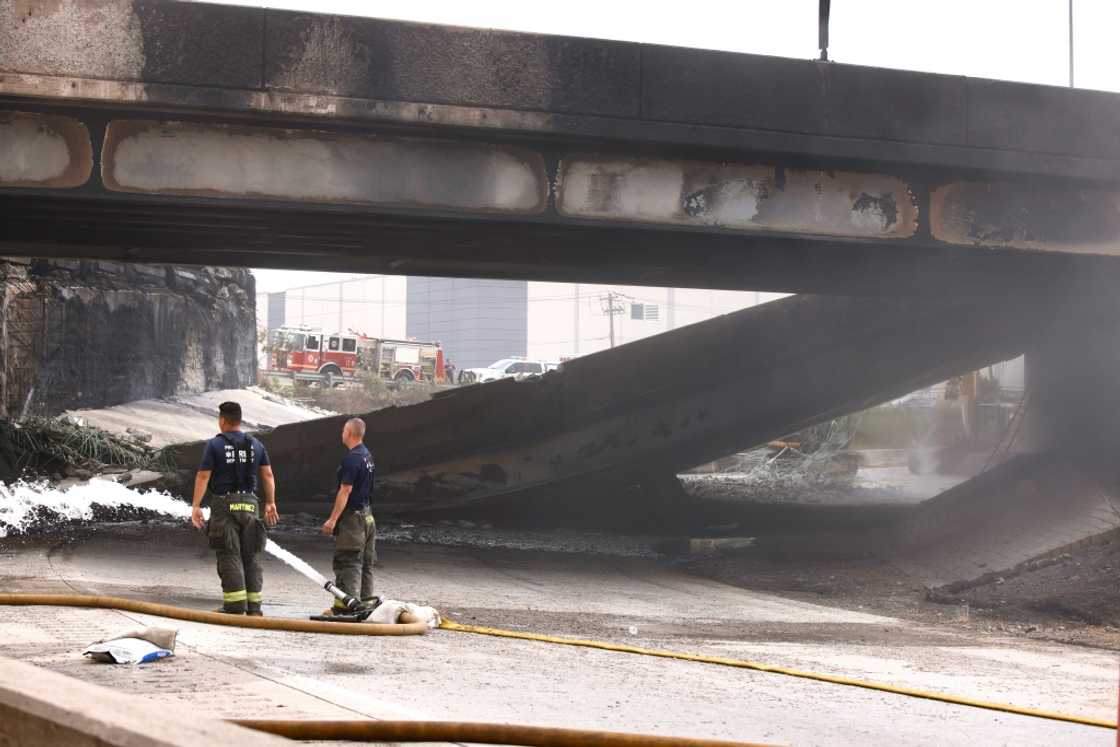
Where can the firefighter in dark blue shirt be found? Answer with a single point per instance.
(351, 521)
(229, 470)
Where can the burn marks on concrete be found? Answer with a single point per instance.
(879, 209)
(1027, 216)
(322, 53)
(200, 43)
(771, 93)
(736, 196)
(1047, 119)
(660, 191)
(43, 150)
(153, 41)
(93, 334)
(421, 63)
(86, 38)
(319, 167)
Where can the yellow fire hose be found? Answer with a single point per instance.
(458, 731)
(758, 667)
(411, 627)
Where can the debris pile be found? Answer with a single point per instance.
(64, 447)
(813, 455)
(366, 394)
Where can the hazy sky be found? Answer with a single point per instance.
(1022, 40)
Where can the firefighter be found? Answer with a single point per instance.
(231, 464)
(351, 522)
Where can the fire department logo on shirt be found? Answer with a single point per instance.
(238, 456)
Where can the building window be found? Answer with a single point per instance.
(649, 312)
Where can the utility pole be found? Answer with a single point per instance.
(1071, 43)
(822, 28)
(612, 304)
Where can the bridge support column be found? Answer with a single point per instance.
(1073, 392)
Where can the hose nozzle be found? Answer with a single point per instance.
(351, 603)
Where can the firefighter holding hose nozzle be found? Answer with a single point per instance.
(231, 465)
(351, 520)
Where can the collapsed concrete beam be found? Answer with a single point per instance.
(663, 404)
(40, 708)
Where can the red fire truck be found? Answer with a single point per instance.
(309, 354)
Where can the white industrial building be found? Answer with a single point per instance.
(480, 321)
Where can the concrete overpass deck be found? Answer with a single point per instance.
(215, 134)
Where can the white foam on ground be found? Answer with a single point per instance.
(22, 503)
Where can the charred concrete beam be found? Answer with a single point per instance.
(736, 197)
(1027, 216)
(213, 58)
(371, 145)
(235, 194)
(242, 232)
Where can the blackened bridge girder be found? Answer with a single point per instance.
(240, 136)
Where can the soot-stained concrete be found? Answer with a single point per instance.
(80, 334)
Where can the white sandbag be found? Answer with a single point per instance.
(389, 611)
(135, 647)
(126, 651)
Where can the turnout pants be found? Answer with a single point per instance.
(355, 537)
(238, 535)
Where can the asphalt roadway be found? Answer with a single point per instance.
(228, 672)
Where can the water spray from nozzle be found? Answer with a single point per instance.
(300, 565)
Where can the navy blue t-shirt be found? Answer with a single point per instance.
(356, 470)
(230, 462)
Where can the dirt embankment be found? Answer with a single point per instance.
(367, 394)
(1071, 598)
